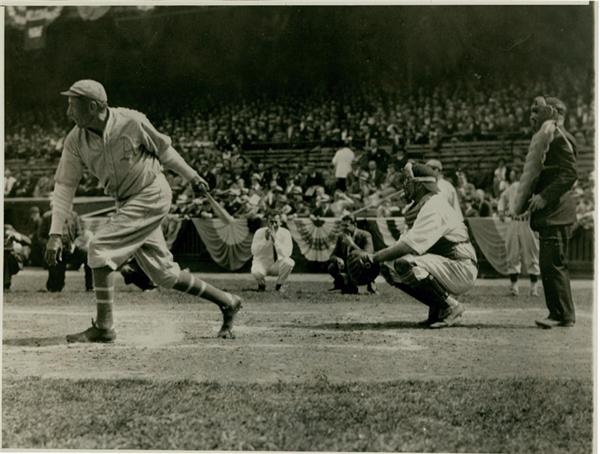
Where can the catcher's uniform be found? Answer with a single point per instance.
(522, 244)
(128, 160)
(272, 258)
(443, 250)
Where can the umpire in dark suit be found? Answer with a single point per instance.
(349, 239)
(552, 215)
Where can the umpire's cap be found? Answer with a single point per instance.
(422, 174)
(89, 89)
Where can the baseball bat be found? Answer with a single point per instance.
(389, 196)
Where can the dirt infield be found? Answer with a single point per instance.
(306, 335)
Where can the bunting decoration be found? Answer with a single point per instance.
(490, 236)
(90, 13)
(316, 238)
(227, 242)
(33, 20)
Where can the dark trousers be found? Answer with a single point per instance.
(340, 183)
(56, 274)
(554, 249)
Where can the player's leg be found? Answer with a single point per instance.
(513, 256)
(102, 327)
(337, 269)
(555, 277)
(284, 268)
(444, 310)
(259, 273)
(157, 262)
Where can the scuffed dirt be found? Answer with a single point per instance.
(306, 335)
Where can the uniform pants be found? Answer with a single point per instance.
(281, 268)
(522, 246)
(554, 249)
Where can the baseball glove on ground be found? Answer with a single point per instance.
(361, 269)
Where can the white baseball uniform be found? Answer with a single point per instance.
(127, 159)
(522, 243)
(438, 229)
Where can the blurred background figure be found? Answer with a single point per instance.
(16, 253)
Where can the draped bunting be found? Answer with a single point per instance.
(92, 12)
(316, 239)
(33, 20)
(490, 236)
(228, 243)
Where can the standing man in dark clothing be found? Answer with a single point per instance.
(553, 210)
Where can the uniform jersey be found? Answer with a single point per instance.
(125, 159)
(436, 221)
(450, 193)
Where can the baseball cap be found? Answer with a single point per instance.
(434, 164)
(88, 88)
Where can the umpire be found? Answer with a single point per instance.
(552, 215)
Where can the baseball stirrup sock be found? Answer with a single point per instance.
(105, 293)
(197, 287)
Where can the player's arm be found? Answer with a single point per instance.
(161, 145)
(285, 247)
(66, 179)
(428, 228)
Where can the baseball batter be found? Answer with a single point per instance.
(522, 244)
(126, 153)
(434, 259)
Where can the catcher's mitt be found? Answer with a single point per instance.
(361, 269)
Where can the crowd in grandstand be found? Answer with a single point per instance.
(211, 135)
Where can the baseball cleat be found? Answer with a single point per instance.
(449, 316)
(229, 313)
(549, 323)
(432, 317)
(93, 334)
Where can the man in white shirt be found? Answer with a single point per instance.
(271, 250)
(445, 186)
(342, 163)
(434, 259)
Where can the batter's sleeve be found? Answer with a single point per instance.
(160, 144)
(66, 179)
(285, 244)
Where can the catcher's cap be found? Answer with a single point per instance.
(87, 88)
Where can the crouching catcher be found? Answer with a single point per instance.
(434, 260)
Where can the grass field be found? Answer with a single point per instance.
(309, 370)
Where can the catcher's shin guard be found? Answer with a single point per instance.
(425, 288)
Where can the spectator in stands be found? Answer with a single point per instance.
(445, 186)
(500, 182)
(271, 253)
(9, 182)
(376, 176)
(24, 185)
(481, 205)
(342, 164)
(350, 238)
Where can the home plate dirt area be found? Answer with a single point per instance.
(305, 338)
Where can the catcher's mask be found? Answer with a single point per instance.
(419, 174)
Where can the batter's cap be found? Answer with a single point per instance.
(423, 174)
(87, 88)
